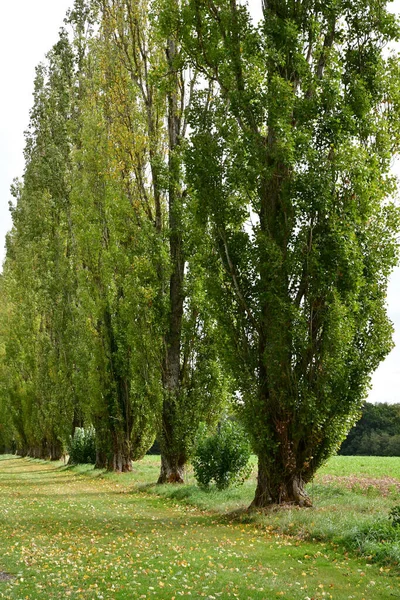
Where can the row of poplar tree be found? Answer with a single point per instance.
(204, 218)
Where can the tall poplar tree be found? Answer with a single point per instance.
(148, 90)
(294, 130)
(38, 274)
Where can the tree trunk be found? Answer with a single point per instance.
(113, 423)
(22, 452)
(275, 486)
(113, 449)
(121, 458)
(101, 459)
(56, 450)
(172, 469)
(118, 461)
(172, 444)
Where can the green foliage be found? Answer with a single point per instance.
(141, 255)
(6, 424)
(107, 318)
(394, 515)
(82, 446)
(379, 540)
(223, 457)
(39, 285)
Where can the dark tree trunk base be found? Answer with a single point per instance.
(101, 460)
(120, 464)
(56, 451)
(172, 471)
(116, 463)
(289, 489)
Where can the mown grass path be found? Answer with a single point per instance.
(70, 535)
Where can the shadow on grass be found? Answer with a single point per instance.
(32, 472)
(176, 491)
(88, 519)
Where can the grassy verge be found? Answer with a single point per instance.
(78, 533)
(352, 498)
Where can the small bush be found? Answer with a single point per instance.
(222, 457)
(82, 446)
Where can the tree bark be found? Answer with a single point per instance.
(114, 422)
(172, 469)
(113, 448)
(101, 459)
(171, 445)
(118, 461)
(121, 458)
(274, 486)
(56, 450)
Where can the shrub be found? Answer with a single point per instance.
(222, 457)
(82, 446)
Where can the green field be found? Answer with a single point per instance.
(80, 533)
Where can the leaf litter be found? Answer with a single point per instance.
(70, 536)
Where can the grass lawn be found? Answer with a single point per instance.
(368, 466)
(80, 533)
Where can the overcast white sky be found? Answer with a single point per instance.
(28, 29)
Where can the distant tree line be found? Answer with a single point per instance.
(377, 433)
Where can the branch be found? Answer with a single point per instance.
(189, 102)
(328, 43)
(231, 271)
